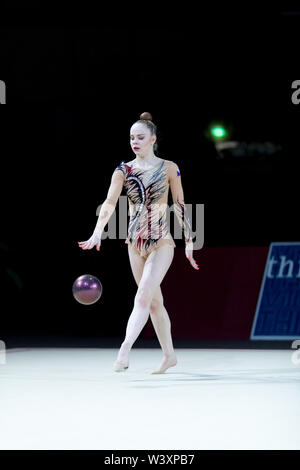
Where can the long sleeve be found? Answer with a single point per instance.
(178, 201)
(108, 207)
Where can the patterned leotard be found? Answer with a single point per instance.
(147, 192)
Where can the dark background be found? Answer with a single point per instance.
(74, 88)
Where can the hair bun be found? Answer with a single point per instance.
(146, 116)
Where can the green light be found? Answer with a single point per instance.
(218, 132)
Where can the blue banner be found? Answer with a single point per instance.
(277, 313)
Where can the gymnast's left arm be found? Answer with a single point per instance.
(181, 211)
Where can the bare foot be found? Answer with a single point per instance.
(123, 354)
(168, 361)
(118, 367)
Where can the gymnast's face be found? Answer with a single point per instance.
(141, 140)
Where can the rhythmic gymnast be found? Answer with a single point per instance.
(146, 180)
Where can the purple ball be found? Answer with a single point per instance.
(87, 289)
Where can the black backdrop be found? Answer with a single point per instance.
(73, 91)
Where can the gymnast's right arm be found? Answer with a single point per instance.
(107, 209)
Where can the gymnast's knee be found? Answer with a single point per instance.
(144, 295)
(156, 305)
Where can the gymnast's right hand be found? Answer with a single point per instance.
(91, 242)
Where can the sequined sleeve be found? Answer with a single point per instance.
(178, 201)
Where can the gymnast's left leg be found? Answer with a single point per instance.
(155, 269)
(162, 326)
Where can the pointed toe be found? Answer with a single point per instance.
(119, 367)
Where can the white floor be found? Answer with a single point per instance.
(61, 398)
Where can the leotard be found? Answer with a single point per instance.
(147, 192)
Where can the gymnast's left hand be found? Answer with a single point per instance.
(189, 254)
